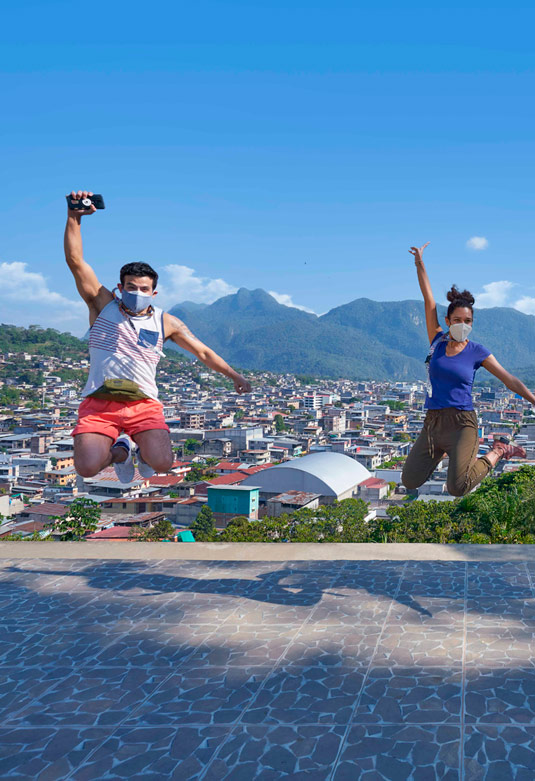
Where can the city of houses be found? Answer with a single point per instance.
(293, 443)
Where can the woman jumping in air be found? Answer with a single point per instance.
(450, 424)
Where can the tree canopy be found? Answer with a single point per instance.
(83, 517)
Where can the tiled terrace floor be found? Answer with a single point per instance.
(218, 670)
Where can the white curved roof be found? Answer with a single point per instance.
(328, 474)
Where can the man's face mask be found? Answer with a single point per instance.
(135, 301)
(460, 331)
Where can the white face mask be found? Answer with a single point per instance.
(460, 331)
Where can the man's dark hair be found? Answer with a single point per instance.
(139, 270)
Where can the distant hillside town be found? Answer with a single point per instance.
(295, 442)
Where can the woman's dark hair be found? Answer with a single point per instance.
(458, 298)
(139, 270)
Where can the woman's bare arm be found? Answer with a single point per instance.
(431, 317)
(509, 380)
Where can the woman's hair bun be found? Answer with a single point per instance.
(460, 296)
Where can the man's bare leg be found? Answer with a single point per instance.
(94, 452)
(155, 448)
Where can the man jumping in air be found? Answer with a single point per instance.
(125, 344)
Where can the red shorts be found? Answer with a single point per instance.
(111, 418)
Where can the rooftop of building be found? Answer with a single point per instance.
(112, 533)
(165, 481)
(244, 488)
(295, 497)
(228, 479)
(325, 473)
(46, 509)
(374, 482)
(155, 498)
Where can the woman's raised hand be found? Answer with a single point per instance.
(418, 252)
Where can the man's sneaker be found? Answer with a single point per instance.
(142, 467)
(125, 469)
(508, 449)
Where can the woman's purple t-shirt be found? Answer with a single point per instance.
(452, 377)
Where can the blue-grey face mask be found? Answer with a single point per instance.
(135, 302)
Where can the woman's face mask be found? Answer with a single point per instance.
(460, 331)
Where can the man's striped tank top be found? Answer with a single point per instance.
(124, 352)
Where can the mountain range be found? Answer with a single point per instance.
(364, 339)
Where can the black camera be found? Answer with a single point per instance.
(81, 204)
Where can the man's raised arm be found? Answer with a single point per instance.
(95, 295)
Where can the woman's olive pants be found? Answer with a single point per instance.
(454, 432)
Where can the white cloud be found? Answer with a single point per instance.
(477, 243)
(501, 294)
(495, 294)
(180, 283)
(525, 305)
(286, 300)
(26, 298)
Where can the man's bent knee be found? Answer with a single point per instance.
(91, 453)
(161, 462)
(87, 468)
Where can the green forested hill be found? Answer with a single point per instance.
(507, 333)
(363, 339)
(41, 341)
(50, 342)
(250, 329)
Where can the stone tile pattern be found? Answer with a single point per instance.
(238, 670)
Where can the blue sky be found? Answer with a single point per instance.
(300, 148)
